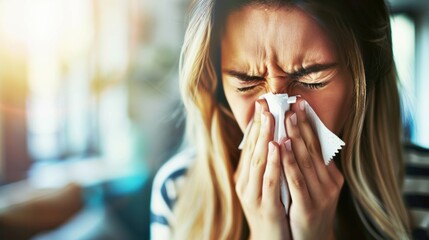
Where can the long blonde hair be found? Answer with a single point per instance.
(208, 207)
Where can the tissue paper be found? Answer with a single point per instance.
(330, 144)
(279, 104)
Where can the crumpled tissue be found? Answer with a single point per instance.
(330, 143)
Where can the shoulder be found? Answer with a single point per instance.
(166, 184)
(416, 187)
(170, 174)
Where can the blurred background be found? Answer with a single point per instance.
(90, 109)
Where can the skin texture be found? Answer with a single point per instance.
(264, 50)
(271, 43)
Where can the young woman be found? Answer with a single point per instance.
(335, 54)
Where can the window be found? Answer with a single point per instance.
(410, 35)
(403, 40)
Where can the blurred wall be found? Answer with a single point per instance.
(13, 93)
(89, 79)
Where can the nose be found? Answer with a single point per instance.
(277, 79)
(277, 85)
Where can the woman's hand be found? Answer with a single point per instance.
(258, 179)
(314, 187)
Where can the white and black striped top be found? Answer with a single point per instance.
(172, 175)
(416, 189)
(164, 193)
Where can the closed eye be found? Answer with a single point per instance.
(305, 71)
(244, 77)
(313, 85)
(245, 89)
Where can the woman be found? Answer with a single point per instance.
(337, 56)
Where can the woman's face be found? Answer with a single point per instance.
(283, 50)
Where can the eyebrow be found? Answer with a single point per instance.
(243, 76)
(295, 74)
(311, 69)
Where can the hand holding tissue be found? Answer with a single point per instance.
(330, 144)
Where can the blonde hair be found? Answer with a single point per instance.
(208, 207)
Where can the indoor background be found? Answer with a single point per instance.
(90, 109)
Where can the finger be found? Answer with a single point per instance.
(259, 157)
(335, 174)
(251, 138)
(295, 179)
(302, 155)
(251, 134)
(243, 155)
(242, 172)
(271, 179)
(239, 168)
(312, 142)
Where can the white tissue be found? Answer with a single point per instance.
(330, 144)
(278, 105)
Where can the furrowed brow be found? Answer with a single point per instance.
(311, 69)
(243, 76)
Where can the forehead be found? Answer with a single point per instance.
(285, 36)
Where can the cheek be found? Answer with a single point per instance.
(332, 114)
(242, 107)
(334, 106)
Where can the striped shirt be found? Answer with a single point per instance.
(416, 189)
(164, 193)
(171, 176)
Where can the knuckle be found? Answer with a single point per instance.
(307, 162)
(313, 147)
(269, 182)
(257, 162)
(298, 182)
(332, 191)
(290, 161)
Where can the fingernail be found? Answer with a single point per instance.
(271, 147)
(293, 119)
(288, 145)
(302, 105)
